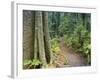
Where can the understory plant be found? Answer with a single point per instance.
(32, 63)
(55, 47)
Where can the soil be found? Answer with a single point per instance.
(73, 58)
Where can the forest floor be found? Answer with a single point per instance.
(73, 58)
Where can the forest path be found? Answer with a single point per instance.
(74, 59)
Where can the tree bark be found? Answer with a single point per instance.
(28, 43)
(38, 18)
(47, 38)
(35, 39)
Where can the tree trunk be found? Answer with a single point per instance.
(47, 38)
(28, 25)
(38, 18)
(35, 39)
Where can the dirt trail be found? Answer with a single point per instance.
(74, 59)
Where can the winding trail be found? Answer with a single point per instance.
(74, 59)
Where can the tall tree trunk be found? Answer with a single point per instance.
(47, 38)
(28, 27)
(35, 39)
(38, 22)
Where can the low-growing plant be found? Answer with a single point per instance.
(27, 62)
(55, 47)
(34, 63)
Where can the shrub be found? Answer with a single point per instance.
(55, 45)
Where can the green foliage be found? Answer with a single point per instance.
(27, 62)
(80, 41)
(34, 63)
(63, 28)
(71, 41)
(55, 45)
(68, 40)
(75, 28)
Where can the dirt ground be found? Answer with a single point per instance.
(74, 59)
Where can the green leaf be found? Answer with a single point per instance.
(36, 62)
(27, 62)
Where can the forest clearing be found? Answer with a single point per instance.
(56, 39)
